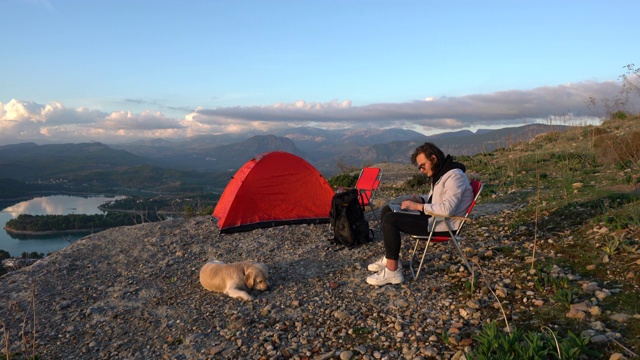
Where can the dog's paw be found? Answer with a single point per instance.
(239, 294)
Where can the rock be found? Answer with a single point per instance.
(429, 352)
(501, 292)
(595, 310)
(474, 304)
(619, 317)
(576, 314)
(361, 349)
(346, 355)
(590, 288)
(598, 339)
(581, 306)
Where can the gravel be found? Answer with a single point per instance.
(133, 293)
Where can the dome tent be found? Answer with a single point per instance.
(272, 189)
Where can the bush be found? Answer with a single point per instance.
(618, 150)
(343, 181)
(417, 181)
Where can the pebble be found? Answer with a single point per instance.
(143, 280)
(619, 317)
(576, 314)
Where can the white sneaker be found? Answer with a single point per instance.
(381, 264)
(386, 276)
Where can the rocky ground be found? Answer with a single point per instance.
(133, 293)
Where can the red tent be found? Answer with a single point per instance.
(272, 189)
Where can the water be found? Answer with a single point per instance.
(48, 205)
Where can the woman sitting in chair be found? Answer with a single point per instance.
(450, 195)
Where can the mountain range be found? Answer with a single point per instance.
(206, 162)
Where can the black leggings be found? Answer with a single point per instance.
(394, 223)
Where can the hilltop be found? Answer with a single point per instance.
(204, 164)
(555, 238)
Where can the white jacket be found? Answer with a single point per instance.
(451, 196)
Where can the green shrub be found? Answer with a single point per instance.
(343, 181)
(417, 181)
(493, 343)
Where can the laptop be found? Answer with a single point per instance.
(397, 208)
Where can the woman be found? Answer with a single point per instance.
(450, 194)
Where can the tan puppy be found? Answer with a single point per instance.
(234, 279)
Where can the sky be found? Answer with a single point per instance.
(120, 70)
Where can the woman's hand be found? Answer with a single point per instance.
(411, 205)
(416, 199)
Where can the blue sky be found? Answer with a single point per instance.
(117, 70)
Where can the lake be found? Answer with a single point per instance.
(47, 205)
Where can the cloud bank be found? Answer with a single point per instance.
(29, 121)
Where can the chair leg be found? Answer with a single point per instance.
(415, 274)
(375, 216)
(413, 255)
(426, 247)
(464, 259)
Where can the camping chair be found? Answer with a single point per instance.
(367, 185)
(476, 186)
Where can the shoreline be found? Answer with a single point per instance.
(51, 232)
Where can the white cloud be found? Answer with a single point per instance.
(29, 121)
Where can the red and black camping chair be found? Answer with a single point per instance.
(453, 237)
(367, 185)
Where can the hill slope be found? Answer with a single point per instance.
(547, 215)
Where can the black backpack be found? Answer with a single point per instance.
(347, 220)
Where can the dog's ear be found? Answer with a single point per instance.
(249, 277)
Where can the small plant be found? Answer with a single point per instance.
(546, 281)
(445, 337)
(343, 181)
(493, 343)
(575, 347)
(611, 246)
(565, 296)
(174, 341)
(468, 287)
(361, 330)
(417, 181)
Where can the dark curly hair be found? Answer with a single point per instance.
(429, 149)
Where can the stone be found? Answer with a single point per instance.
(581, 306)
(619, 317)
(598, 339)
(590, 288)
(595, 311)
(576, 314)
(429, 352)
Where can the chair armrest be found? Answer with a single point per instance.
(447, 216)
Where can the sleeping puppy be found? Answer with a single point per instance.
(234, 279)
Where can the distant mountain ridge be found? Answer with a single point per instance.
(209, 160)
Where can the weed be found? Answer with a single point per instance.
(174, 341)
(361, 331)
(611, 246)
(444, 336)
(546, 281)
(343, 181)
(493, 343)
(565, 296)
(28, 333)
